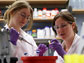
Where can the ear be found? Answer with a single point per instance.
(73, 25)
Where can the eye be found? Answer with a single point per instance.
(28, 17)
(61, 26)
(64, 25)
(56, 27)
(23, 15)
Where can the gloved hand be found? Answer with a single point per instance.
(42, 48)
(55, 45)
(13, 36)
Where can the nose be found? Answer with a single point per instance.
(60, 29)
(24, 20)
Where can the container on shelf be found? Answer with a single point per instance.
(44, 12)
(34, 33)
(39, 13)
(35, 13)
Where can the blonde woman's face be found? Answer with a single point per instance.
(20, 18)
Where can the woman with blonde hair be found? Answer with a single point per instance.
(16, 16)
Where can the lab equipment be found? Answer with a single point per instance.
(74, 58)
(39, 59)
(5, 54)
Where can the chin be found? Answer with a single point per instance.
(21, 25)
(62, 37)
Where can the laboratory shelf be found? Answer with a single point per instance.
(44, 40)
(78, 11)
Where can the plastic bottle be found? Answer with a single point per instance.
(35, 13)
(56, 10)
(39, 14)
(47, 32)
(40, 33)
(34, 34)
(53, 13)
(44, 12)
(52, 34)
(48, 14)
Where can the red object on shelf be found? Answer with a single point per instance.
(39, 59)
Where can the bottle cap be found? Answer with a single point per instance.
(44, 8)
(33, 30)
(37, 51)
(25, 53)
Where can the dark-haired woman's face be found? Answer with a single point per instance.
(63, 28)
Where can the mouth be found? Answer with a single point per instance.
(22, 22)
(62, 34)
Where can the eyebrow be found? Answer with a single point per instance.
(61, 24)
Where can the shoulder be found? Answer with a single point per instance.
(26, 34)
(76, 40)
(77, 37)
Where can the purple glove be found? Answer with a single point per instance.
(57, 46)
(42, 48)
(13, 36)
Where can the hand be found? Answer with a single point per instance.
(13, 36)
(42, 48)
(57, 46)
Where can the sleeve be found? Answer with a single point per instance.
(12, 49)
(34, 46)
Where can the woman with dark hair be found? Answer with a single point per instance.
(65, 27)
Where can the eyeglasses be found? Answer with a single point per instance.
(60, 26)
(23, 15)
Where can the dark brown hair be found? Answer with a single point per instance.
(67, 16)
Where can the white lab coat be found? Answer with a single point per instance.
(73, 49)
(60, 59)
(27, 45)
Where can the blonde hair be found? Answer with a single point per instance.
(16, 6)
